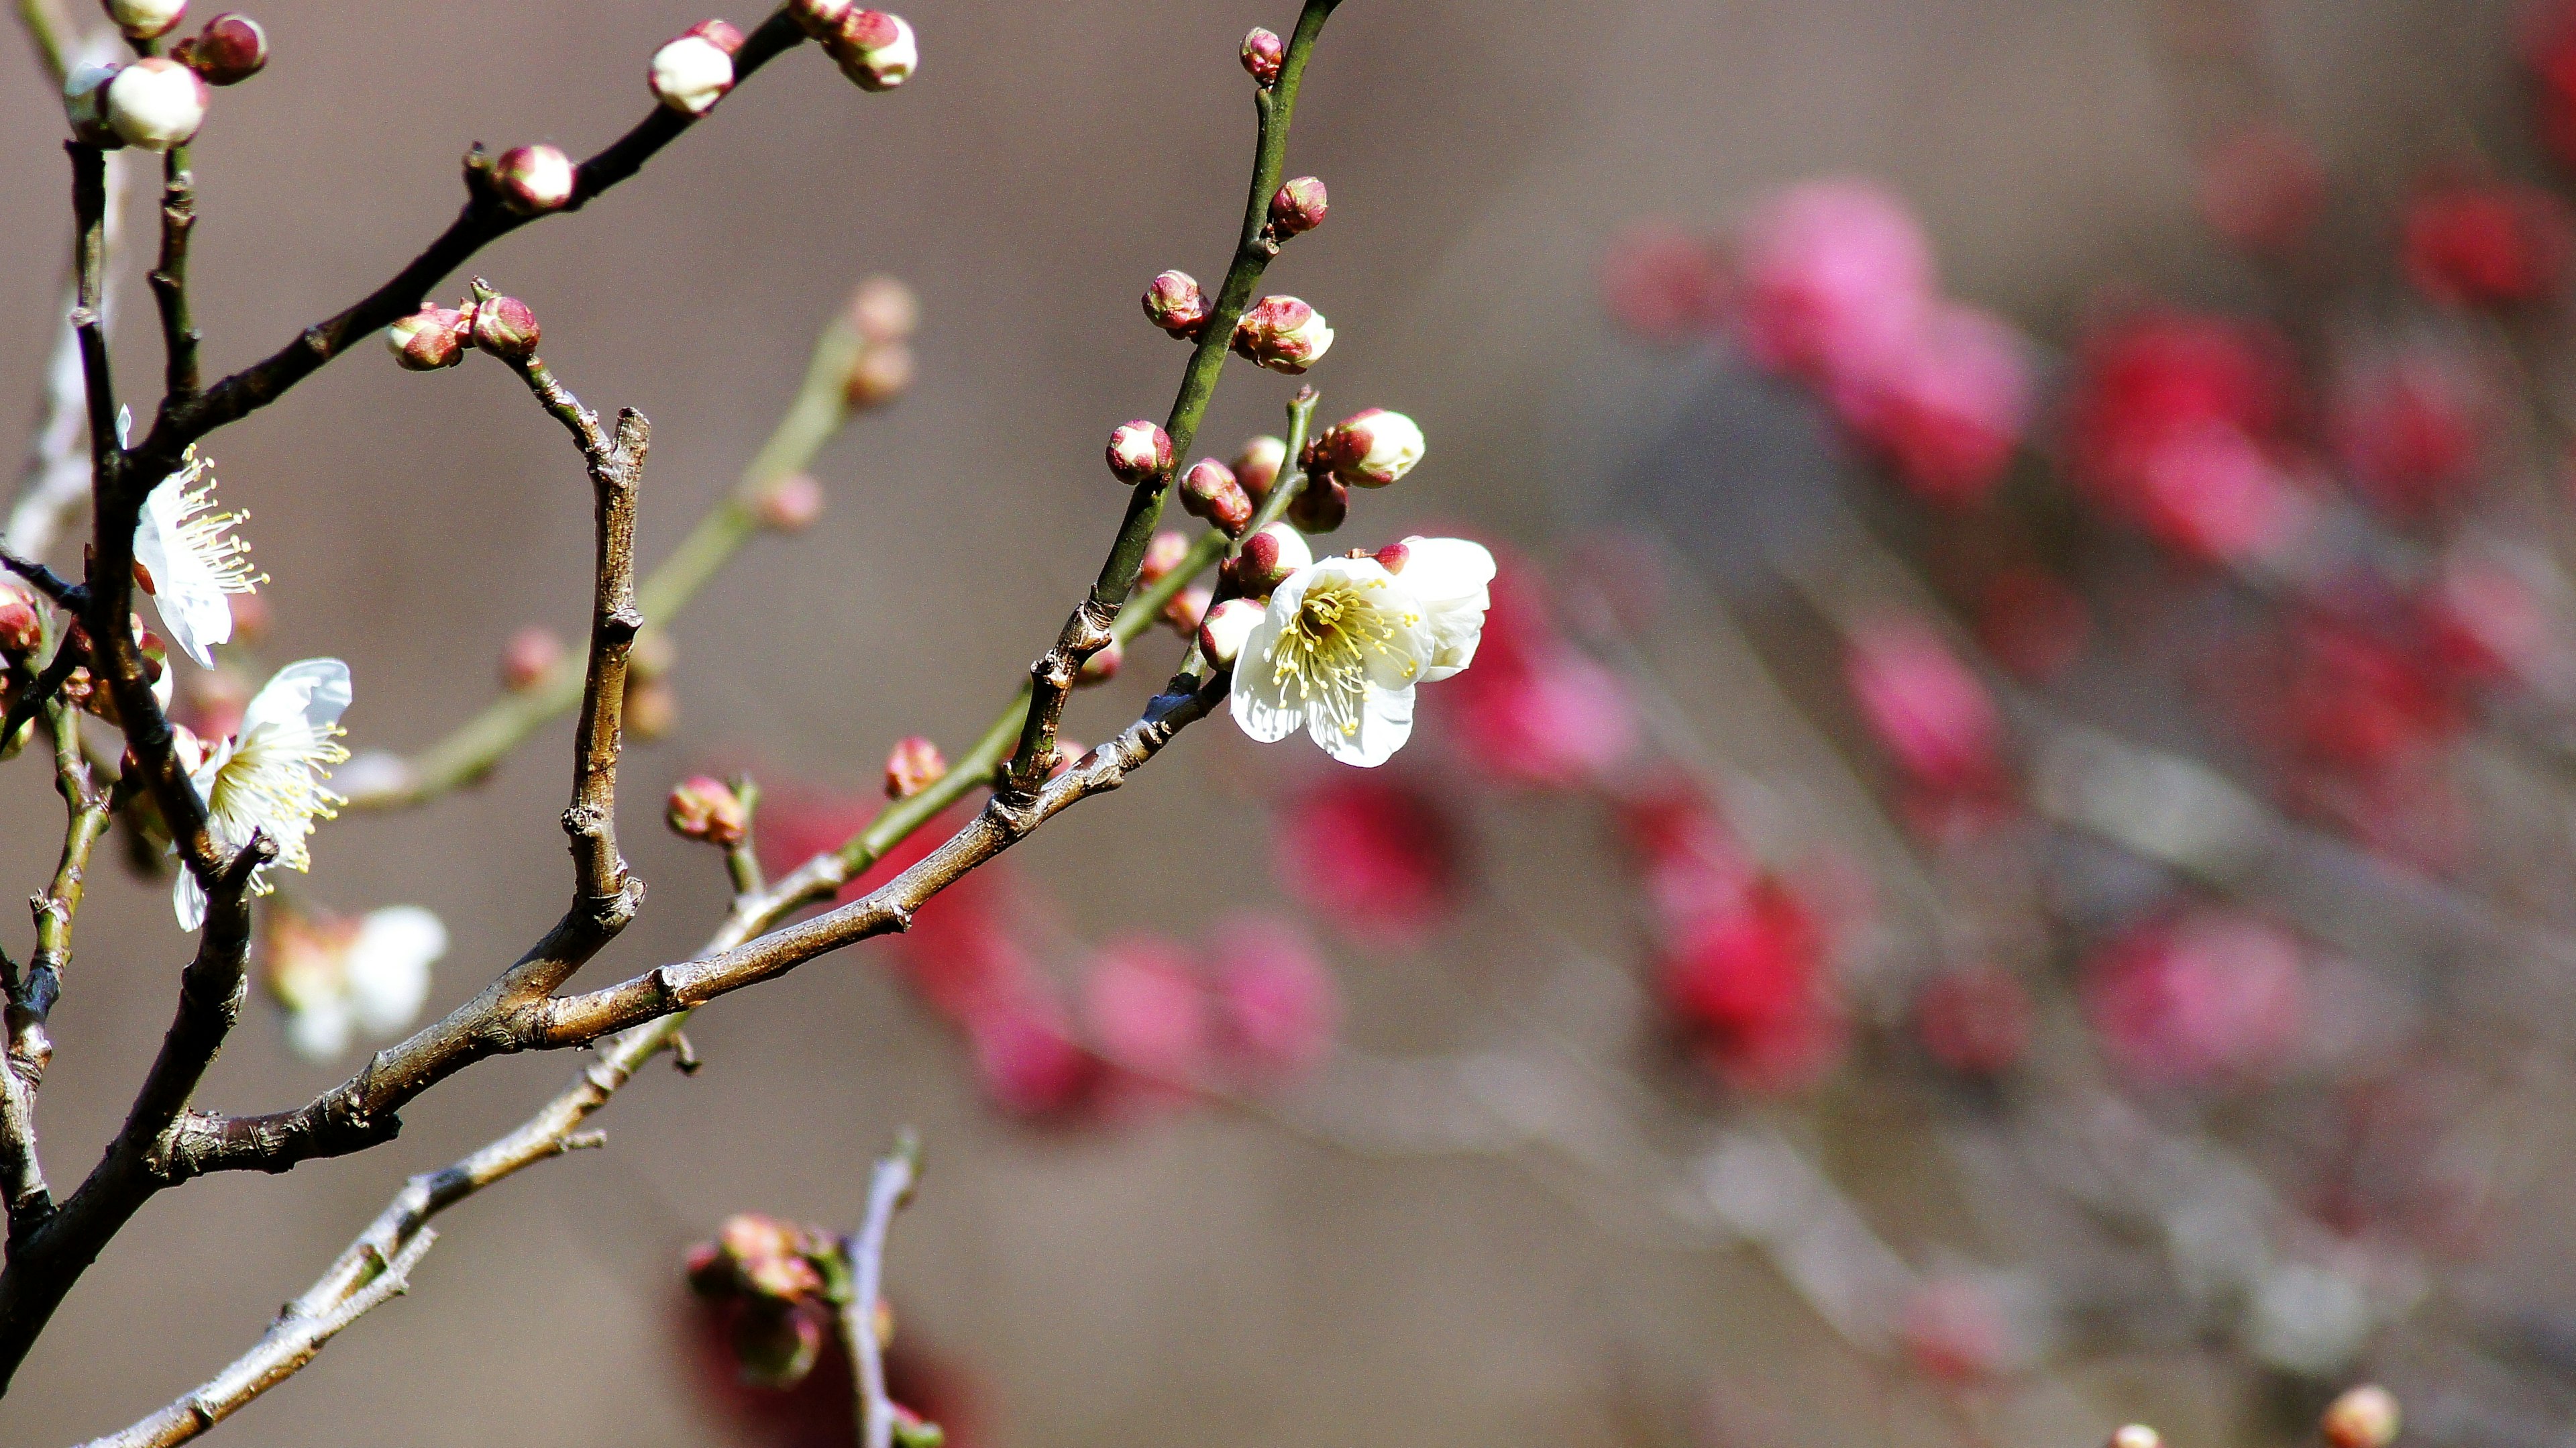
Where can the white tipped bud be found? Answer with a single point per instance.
(693, 72)
(533, 179)
(144, 19)
(1223, 631)
(875, 49)
(1267, 559)
(1282, 334)
(2363, 1417)
(85, 104)
(1139, 450)
(2137, 1435)
(1258, 465)
(156, 104)
(1370, 449)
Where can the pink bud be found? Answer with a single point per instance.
(2363, 1417)
(533, 180)
(1258, 465)
(881, 374)
(1320, 507)
(428, 339)
(692, 71)
(1371, 449)
(1143, 1003)
(530, 655)
(1262, 54)
(231, 49)
(820, 19)
(1101, 667)
(883, 310)
(156, 104)
(876, 50)
(1208, 490)
(144, 19)
(705, 809)
(1266, 560)
(21, 626)
(1188, 608)
(913, 765)
(1299, 207)
(506, 328)
(1282, 334)
(1175, 303)
(1139, 450)
(791, 504)
(1163, 553)
(1392, 557)
(722, 33)
(85, 104)
(1227, 625)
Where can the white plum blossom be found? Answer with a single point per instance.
(267, 780)
(338, 978)
(1345, 641)
(187, 558)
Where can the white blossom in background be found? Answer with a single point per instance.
(267, 780)
(1345, 641)
(188, 559)
(338, 979)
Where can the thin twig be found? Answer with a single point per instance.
(890, 1187)
(169, 280)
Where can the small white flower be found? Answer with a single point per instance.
(338, 977)
(267, 780)
(187, 558)
(1345, 641)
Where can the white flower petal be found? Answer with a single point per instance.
(1259, 697)
(1385, 723)
(320, 1032)
(388, 967)
(1450, 576)
(188, 898)
(312, 692)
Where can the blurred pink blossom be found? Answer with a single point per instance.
(2485, 244)
(2211, 998)
(1276, 1003)
(2262, 187)
(1833, 277)
(1665, 284)
(1148, 1013)
(1975, 1020)
(1752, 992)
(2411, 430)
(1947, 403)
(1371, 854)
(1924, 707)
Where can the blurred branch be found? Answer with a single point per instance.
(49, 31)
(890, 1186)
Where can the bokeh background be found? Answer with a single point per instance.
(1197, 1276)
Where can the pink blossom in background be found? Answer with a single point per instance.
(1692, 864)
(1832, 277)
(1954, 1330)
(1534, 710)
(2549, 47)
(1371, 855)
(1947, 404)
(1665, 284)
(1751, 990)
(1148, 1012)
(1924, 707)
(2359, 700)
(2411, 430)
(2032, 622)
(1975, 1020)
(1026, 1060)
(2485, 244)
(2262, 188)
(1277, 1007)
(2482, 622)
(2213, 998)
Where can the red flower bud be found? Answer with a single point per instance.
(528, 657)
(1258, 465)
(791, 504)
(1320, 507)
(231, 49)
(1299, 207)
(693, 70)
(1282, 334)
(1262, 54)
(1370, 449)
(705, 809)
(913, 765)
(1187, 608)
(428, 339)
(1266, 559)
(1163, 553)
(22, 627)
(505, 327)
(1392, 557)
(1175, 303)
(1139, 450)
(884, 310)
(1101, 667)
(1209, 491)
(876, 50)
(533, 180)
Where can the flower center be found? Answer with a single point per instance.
(1325, 650)
(207, 536)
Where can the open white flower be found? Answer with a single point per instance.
(1345, 641)
(338, 977)
(267, 780)
(187, 558)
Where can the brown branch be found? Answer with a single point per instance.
(64, 593)
(179, 335)
(30, 999)
(890, 1186)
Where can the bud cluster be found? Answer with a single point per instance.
(913, 765)
(708, 810)
(875, 50)
(780, 1282)
(884, 312)
(693, 70)
(436, 337)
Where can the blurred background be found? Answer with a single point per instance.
(2002, 871)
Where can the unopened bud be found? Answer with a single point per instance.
(1187, 608)
(530, 655)
(706, 809)
(820, 19)
(1299, 207)
(22, 627)
(85, 104)
(1101, 667)
(884, 310)
(1258, 465)
(881, 374)
(791, 504)
(428, 339)
(1208, 490)
(2363, 1417)
(876, 50)
(1223, 631)
(1175, 303)
(1370, 449)
(1392, 557)
(1320, 506)
(693, 70)
(231, 49)
(533, 180)
(777, 1350)
(156, 104)
(1282, 334)
(1267, 559)
(505, 327)
(144, 19)
(2137, 1435)
(913, 765)
(652, 709)
(1139, 450)
(1163, 553)
(1262, 53)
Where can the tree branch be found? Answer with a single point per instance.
(890, 1186)
(30, 1003)
(169, 280)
